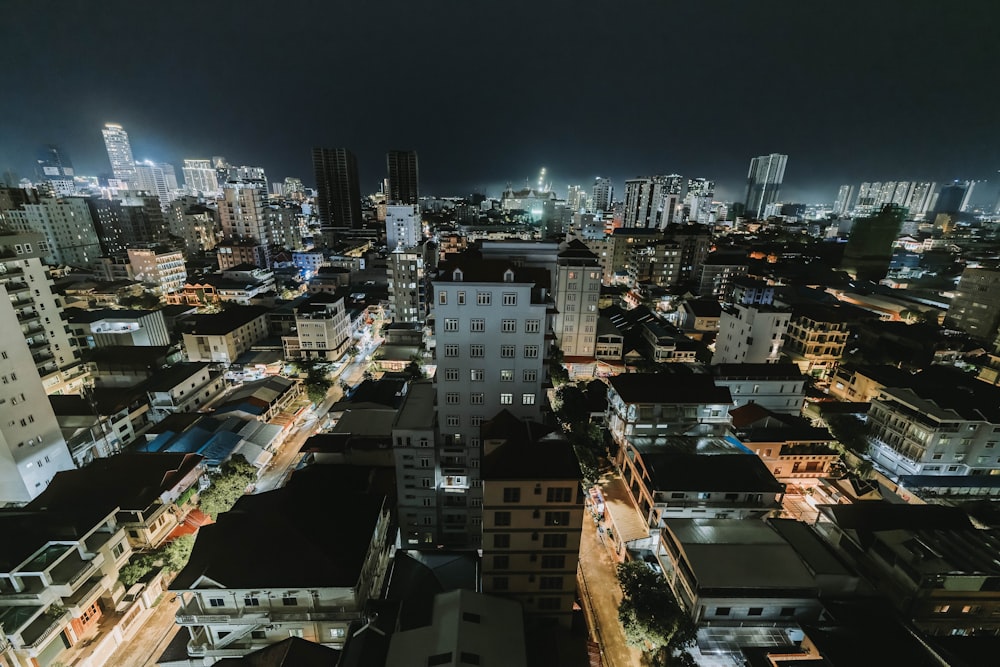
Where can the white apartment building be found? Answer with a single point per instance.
(38, 311)
(110, 327)
(323, 329)
(201, 178)
(224, 336)
(577, 292)
(750, 334)
(195, 223)
(777, 387)
(161, 269)
(403, 226)
(67, 225)
(425, 487)
(944, 422)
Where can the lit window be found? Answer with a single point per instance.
(477, 375)
(506, 376)
(506, 399)
(527, 399)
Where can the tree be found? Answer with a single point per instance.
(228, 486)
(317, 384)
(650, 615)
(572, 407)
(850, 432)
(175, 554)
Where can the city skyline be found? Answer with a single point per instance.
(479, 115)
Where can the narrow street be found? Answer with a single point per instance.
(601, 596)
(145, 647)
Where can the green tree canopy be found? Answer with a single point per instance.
(228, 486)
(650, 615)
(317, 384)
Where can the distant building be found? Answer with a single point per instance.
(56, 170)
(816, 338)
(578, 288)
(764, 183)
(69, 230)
(717, 274)
(403, 226)
(404, 177)
(653, 202)
(750, 334)
(407, 285)
(869, 247)
(975, 308)
(120, 156)
(162, 270)
(195, 223)
(200, 178)
(223, 337)
(338, 193)
(602, 195)
(775, 386)
(323, 328)
(845, 200)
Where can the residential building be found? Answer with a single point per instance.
(653, 202)
(404, 177)
(975, 308)
(182, 388)
(717, 275)
(661, 343)
(532, 518)
(816, 338)
(942, 422)
(610, 343)
(750, 334)
(845, 201)
(602, 195)
(764, 183)
(936, 568)
(466, 628)
(223, 337)
(699, 316)
(259, 400)
(201, 179)
(657, 404)
(59, 572)
(407, 286)
(779, 387)
(120, 156)
(302, 582)
(789, 446)
(158, 179)
(748, 291)
(432, 481)
(68, 228)
(195, 223)
(658, 263)
(869, 247)
(698, 203)
(323, 328)
(231, 253)
(37, 316)
(244, 222)
(160, 269)
(403, 226)
(864, 383)
(577, 291)
(56, 171)
(338, 194)
(491, 322)
(108, 327)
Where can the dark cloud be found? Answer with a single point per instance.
(491, 92)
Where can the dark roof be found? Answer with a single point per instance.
(121, 356)
(885, 375)
(128, 481)
(676, 386)
(168, 378)
(298, 552)
(26, 531)
(877, 516)
(954, 389)
(231, 318)
(704, 307)
(387, 392)
(577, 250)
(758, 371)
(698, 472)
(81, 316)
(291, 652)
(477, 270)
(548, 458)
(829, 313)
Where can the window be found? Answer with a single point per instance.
(453, 420)
(558, 495)
(501, 518)
(484, 298)
(788, 611)
(118, 549)
(451, 374)
(506, 399)
(531, 376)
(216, 602)
(477, 375)
(755, 611)
(477, 351)
(507, 351)
(257, 634)
(509, 299)
(557, 518)
(527, 399)
(467, 658)
(461, 298)
(508, 326)
(451, 350)
(451, 324)
(439, 659)
(511, 494)
(942, 608)
(553, 562)
(451, 398)
(532, 326)
(501, 541)
(338, 633)
(531, 351)
(501, 562)
(442, 298)
(506, 376)
(250, 601)
(554, 540)
(290, 602)
(550, 583)
(477, 325)
(476, 399)
(722, 611)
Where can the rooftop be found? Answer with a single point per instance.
(757, 372)
(679, 386)
(548, 458)
(699, 472)
(218, 324)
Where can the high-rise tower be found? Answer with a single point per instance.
(764, 182)
(602, 194)
(120, 154)
(55, 169)
(338, 193)
(403, 177)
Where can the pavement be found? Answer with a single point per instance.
(601, 596)
(146, 645)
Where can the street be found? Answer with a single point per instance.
(145, 647)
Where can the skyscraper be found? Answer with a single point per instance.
(845, 198)
(652, 202)
(869, 246)
(242, 215)
(603, 194)
(764, 182)
(120, 154)
(404, 178)
(55, 169)
(953, 197)
(201, 178)
(975, 307)
(700, 193)
(338, 193)
(403, 226)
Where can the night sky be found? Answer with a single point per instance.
(490, 92)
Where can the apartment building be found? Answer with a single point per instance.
(816, 338)
(67, 227)
(160, 269)
(773, 386)
(942, 422)
(532, 519)
(407, 290)
(223, 337)
(182, 388)
(751, 334)
(432, 481)
(323, 328)
(577, 292)
(110, 327)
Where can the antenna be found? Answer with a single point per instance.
(370, 620)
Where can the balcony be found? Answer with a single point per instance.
(41, 630)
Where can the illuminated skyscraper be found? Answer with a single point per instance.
(653, 202)
(120, 154)
(338, 193)
(764, 182)
(602, 195)
(55, 169)
(700, 193)
(845, 198)
(404, 177)
(201, 178)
